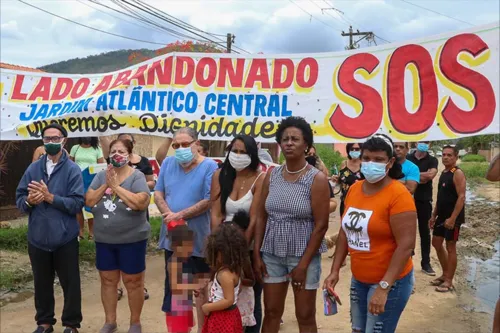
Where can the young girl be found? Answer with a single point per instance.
(227, 253)
(246, 298)
(180, 319)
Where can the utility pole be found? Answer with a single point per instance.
(368, 35)
(229, 42)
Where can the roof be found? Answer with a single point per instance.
(19, 68)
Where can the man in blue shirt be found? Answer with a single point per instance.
(183, 193)
(410, 170)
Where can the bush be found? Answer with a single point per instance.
(475, 170)
(329, 156)
(473, 158)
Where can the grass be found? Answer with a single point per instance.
(15, 239)
(473, 158)
(475, 171)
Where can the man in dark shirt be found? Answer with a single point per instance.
(427, 165)
(447, 217)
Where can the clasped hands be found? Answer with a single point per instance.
(38, 192)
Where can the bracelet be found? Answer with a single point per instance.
(28, 204)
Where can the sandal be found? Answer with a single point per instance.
(146, 294)
(445, 289)
(120, 293)
(437, 282)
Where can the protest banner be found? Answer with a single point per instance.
(436, 88)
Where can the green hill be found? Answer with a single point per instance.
(100, 63)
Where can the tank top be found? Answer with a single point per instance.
(447, 197)
(347, 177)
(243, 203)
(217, 294)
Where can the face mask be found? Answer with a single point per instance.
(373, 171)
(239, 161)
(86, 141)
(118, 160)
(184, 155)
(53, 148)
(423, 147)
(354, 154)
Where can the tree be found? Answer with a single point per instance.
(478, 142)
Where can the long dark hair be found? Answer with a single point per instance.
(228, 173)
(94, 142)
(381, 142)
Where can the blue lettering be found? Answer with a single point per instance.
(112, 98)
(66, 109)
(102, 103)
(169, 101)
(260, 106)
(54, 109)
(161, 103)
(191, 102)
(221, 105)
(42, 112)
(235, 103)
(274, 106)
(178, 95)
(121, 103)
(210, 109)
(148, 101)
(135, 99)
(248, 100)
(284, 111)
(24, 117)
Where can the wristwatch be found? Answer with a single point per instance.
(384, 285)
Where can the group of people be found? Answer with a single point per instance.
(233, 233)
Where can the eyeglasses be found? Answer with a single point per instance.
(355, 149)
(54, 139)
(183, 144)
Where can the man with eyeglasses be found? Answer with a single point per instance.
(51, 192)
(182, 192)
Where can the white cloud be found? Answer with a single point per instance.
(33, 38)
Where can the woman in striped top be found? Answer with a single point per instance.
(293, 219)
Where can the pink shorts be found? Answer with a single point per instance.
(180, 322)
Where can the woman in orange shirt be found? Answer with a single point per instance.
(378, 229)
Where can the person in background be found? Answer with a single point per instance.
(264, 155)
(235, 187)
(411, 173)
(183, 193)
(51, 193)
(203, 149)
(119, 197)
(493, 174)
(311, 159)
(349, 172)
(428, 167)
(162, 152)
(319, 163)
(447, 217)
(379, 230)
(289, 235)
(85, 153)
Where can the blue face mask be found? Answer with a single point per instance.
(423, 147)
(184, 155)
(373, 171)
(355, 154)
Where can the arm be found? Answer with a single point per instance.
(138, 197)
(332, 205)
(254, 209)
(261, 216)
(340, 252)
(411, 186)
(37, 153)
(248, 278)
(101, 160)
(22, 193)
(428, 175)
(162, 151)
(226, 280)
(493, 174)
(320, 209)
(176, 277)
(159, 194)
(96, 190)
(72, 152)
(460, 185)
(105, 141)
(150, 179)
(148, 172)
(216, 216)
(203, 205)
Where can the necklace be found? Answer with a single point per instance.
(295, 172)
(244, 182)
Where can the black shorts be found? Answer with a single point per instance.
(450, 235)
(195, 265)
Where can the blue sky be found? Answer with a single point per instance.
(32, 38)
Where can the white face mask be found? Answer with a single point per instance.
(239, 161)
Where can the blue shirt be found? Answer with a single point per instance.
(411, 171)
(183, 190)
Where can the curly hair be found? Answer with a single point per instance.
(227, 247)
(297, 122)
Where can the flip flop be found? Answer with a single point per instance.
(120, 293)
(444, 289)
(436, 282)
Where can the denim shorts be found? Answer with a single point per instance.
(386, 322)
(278, 268)
(129, 258)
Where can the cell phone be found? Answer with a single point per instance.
(330, 303)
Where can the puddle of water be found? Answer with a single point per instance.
(13, 297)
(484, 276)
(470, 198)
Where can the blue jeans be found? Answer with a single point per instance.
(361, 293)
(279, 268)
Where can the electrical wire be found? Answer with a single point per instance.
(89, 27)
(327, 13)
(309, 14)
(436, 12)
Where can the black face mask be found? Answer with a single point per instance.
(311, 160)
(86, 141)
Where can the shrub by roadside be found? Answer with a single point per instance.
(473, 158)
(475, 171)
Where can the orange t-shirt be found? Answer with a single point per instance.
(369, 236)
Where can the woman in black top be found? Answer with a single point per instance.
(349, 172)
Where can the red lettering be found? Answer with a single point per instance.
(182, 78)
(227, 71)
(403, 121)
(16, 91)
(279, 64)
(123, 78)
(312, 64)
(139, 75)
(483, 112)
(104, 84)
(42, 89)
(80, 88)
(62, 89)
(162, 73)
(258, 73)
(368, 121)
(200, 72)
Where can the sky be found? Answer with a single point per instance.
(33, 38)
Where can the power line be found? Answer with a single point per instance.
(436, 12)
(322, 11)
(89, 27)
(311, 16)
